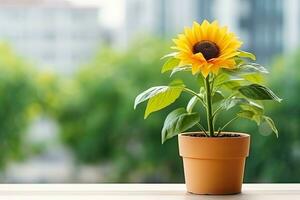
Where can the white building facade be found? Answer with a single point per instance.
(53, 34)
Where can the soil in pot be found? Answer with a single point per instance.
(218, 136)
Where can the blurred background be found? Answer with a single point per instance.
(70, 70)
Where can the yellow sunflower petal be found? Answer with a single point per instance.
(225, 43)
(214, 31)
(229, 64)
(222, 34)
(197, 31)
(205, 70)
(190, 35)
(204, 28)
(215, 69)
(195, 69)
(229, 55)
(200, 57)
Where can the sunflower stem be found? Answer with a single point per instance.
(209, 112)
(197, 95)
(202, 128)
(230, 121)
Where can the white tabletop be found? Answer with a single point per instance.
(140, 192)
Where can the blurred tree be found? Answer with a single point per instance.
(17, 104)
(49, 88)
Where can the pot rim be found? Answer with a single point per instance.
(214, 147)
(243, 135)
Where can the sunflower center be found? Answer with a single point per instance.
(208, 49)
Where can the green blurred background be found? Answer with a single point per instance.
(62, 124)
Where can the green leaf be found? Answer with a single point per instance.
(221, 78)
(201, 79)
(178, 121)
(169, 55)
(248, 68)
(151, 92)
(245, 54)
(254, 78)
(255, 109)
(251, 110)
(170, 64)
(144, 96)
(258, 92)
(232, 85)
(246, 105)
(202, 92)
(250, 72)
(238, 60)
(251, 106)
(271, 124)
(247, 114)
(163, 98)
(176, 82)
(231, 102)
(179, 69)
(251, 68)
(218, 96)
(193, 101)
(227, 80)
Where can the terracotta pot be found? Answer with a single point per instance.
(214, 165)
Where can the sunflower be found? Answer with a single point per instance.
(207, 47)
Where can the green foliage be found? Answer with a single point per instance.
(170, 64)
(245, 54)
(169, 55)
(217, 97)
(249, 68)
(258, 92)
(159, 97)
(177, 121)
(179, 69)
(271, 124)
(49, 87)
(218, 92)
(191, 104)
(17, 104)
(231, 102)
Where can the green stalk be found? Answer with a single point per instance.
(194, 93)
(209, 112)
(221, 129)
(202, 128)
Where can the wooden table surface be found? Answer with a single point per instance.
(140, 192)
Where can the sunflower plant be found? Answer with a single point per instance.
(227, 77)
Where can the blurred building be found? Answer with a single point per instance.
(291, 25)
(52, 33)
(262, 25)
(270, 27)
(164, 17)
(267, 27)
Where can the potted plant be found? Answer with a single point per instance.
(213, 158)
